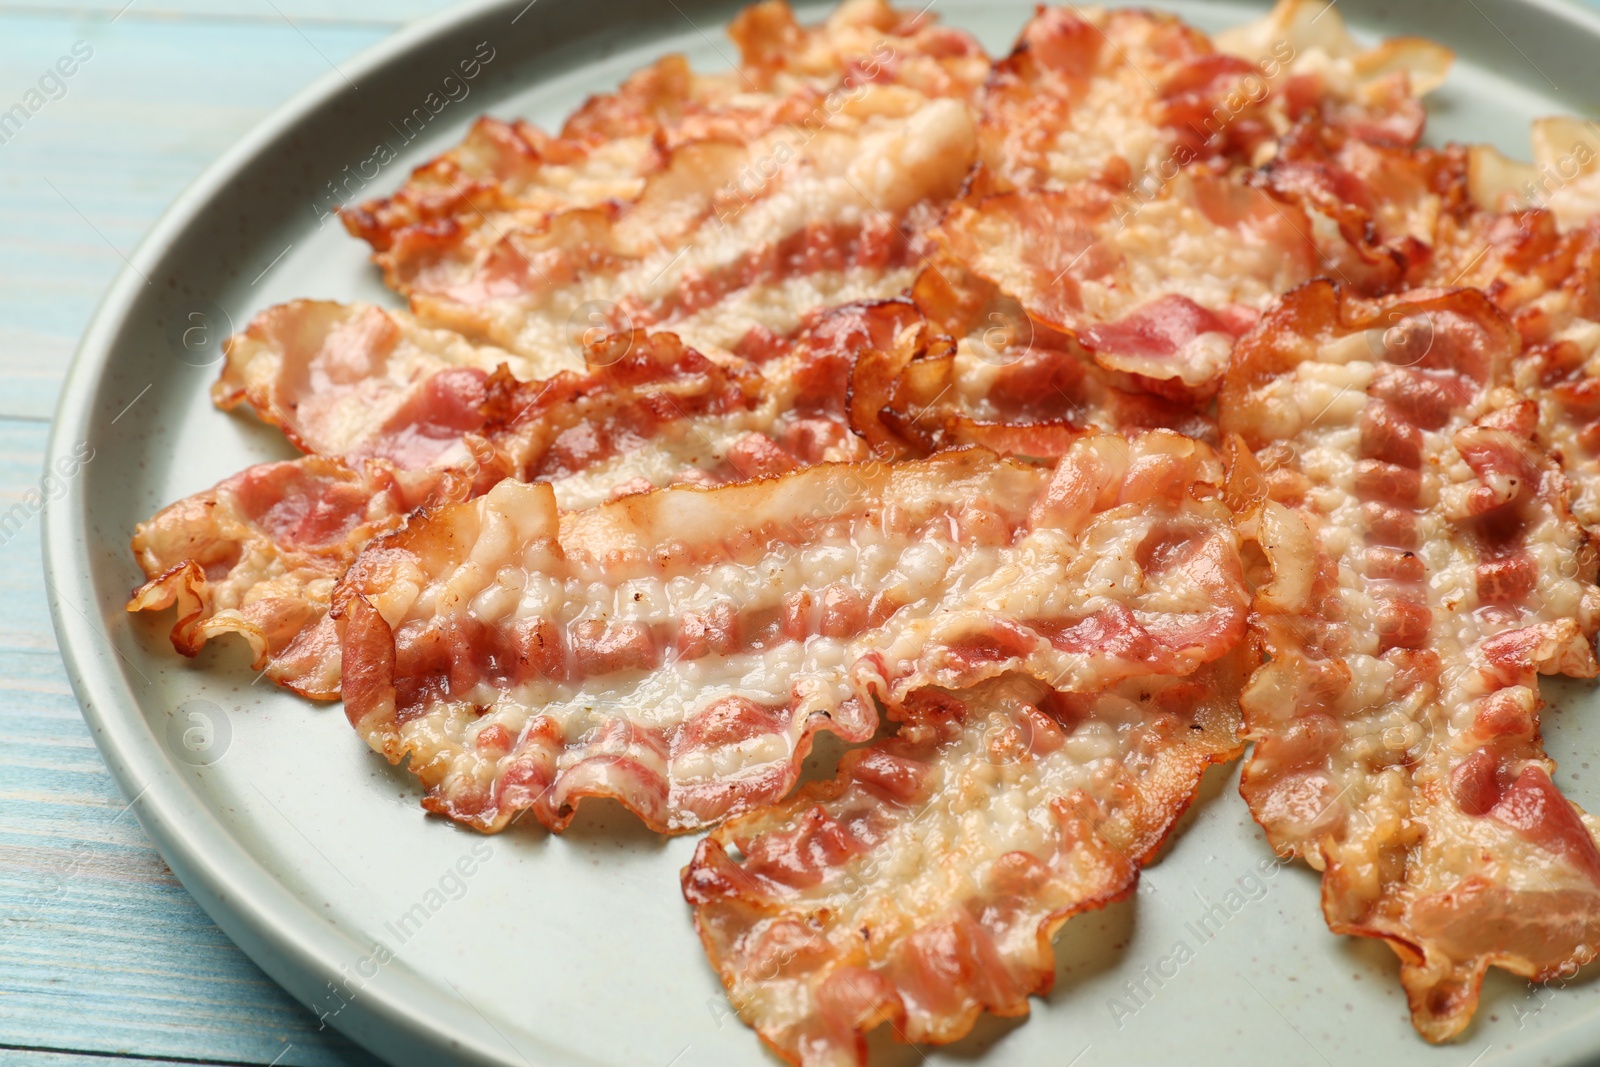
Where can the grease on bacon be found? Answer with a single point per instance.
(259, 554)
(1420, 568)
(676, 650)
(512, 174)
(922, 886)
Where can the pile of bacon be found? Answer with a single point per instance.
(1045, 428)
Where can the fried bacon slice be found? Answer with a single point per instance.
(677, 650)
(1112, 199)
(787, 408)
(1322, 71)
(1548, 282)
(358, 381)
(1375, 209)
(1082, 188)
(398, 416)
(512, 174)
(1129, 99)
(1420, 569)
(1541, 266)
(830, 220)
(1526, 235)
(734, 234)
(923, 885)
(259, 555)
(1079, 98)
(620, 412)
(958, 362)
(1564, 177)
(1160, 292)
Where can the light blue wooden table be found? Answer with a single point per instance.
(102, 953)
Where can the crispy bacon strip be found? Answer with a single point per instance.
(849, 136)
(962, 363)
(661, 412)
(1079, 99)
(1546, 277)
(1421, 569)
(1085, 212)
(923, 885)
(629, 430)
(825, 220)
(372, 394)
(357, 381)
(1373, 93)
(1564, 177)
(1548, 282)
(678, 649)
(259, 554)
(1159, 291)
(513, 174)
(1111, 201)
(1129, 99)
(1466, 217)
(1376, 208)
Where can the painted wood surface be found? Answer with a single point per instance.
(103, 956)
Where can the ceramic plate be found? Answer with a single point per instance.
(431, 944)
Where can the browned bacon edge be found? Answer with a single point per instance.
(903, 388)
(1446, 941)
(954, 959)
(788, 75)
(258, 554)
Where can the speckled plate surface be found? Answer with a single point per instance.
(430, 944)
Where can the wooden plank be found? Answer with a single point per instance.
(25, 624)
(33, 1057)
(83, 180)
(373, 12)
(101, 949)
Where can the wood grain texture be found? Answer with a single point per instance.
(36, 1057)
(100, 948)
(384, 13)
(86, 176)
(103, 955)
